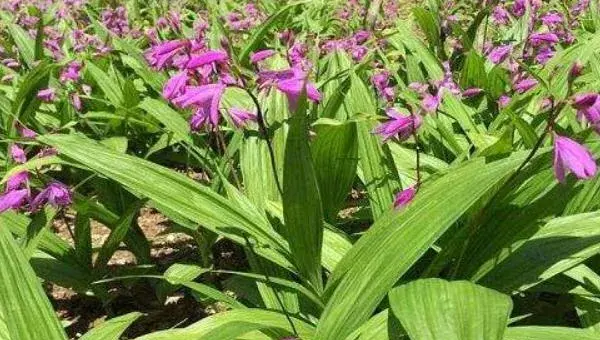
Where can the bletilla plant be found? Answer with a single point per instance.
(333, 170)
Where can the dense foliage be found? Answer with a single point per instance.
(382, 169)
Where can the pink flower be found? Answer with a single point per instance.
(588, 106)
(162, 54)
(290, 82)
(240, 116)
(26, 132)
(471, 92)
(261, 55)
(56, 194)
(214, 56)
(503, 101)
(13, 199)
(47, 95)
(570, 155)
(537, 39)
(175, 86)
(17, 154)
(17, 180)
(398, 125)
(500, 16)
(519, 7)
(551, 19)
(205, 99)
(71, 72)
(499, 53)
(430, 103)
(525, 85)
(404, 197)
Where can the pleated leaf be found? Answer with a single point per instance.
(26, 310)
(231, 324)
(176, 193)
(435, 309)
(111, 329)
(548, 333)
(399, 238)
(302, 209)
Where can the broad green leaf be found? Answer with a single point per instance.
(107, 84)
(176, 193)
(111, 329)
(26, 102)
(25, 44)
(428, 24)
(548, 333)
(335, 154)
(460, 310)
(302, 209)
(559, 245)
(117, 235)
(231, 324)
(377, 167)
(259, 35)
(24, 306)
(171, 119)
(36, 230)
(353, 295)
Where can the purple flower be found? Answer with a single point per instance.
(76, 101)
(17, 180)
(261, 55)
(175, 86)
(471, 92)
(503, 101)
(398, 125)
(205, 98)
(214, 56)
(500, 16)
(537, 39)
(26, 132)
(56, 194)
(525, 85)
(290, 82)
(13, 199)
(544, 54)
(430, 103)
(240, 116)
(519, 7)
(500, 53)
(361, 36)
(570, 155)
(47, 95)
(588, 106)
(17, 154)
(576, 70)
(404, 197)
(162, 54)
(551, 19)
(359, 52)
(71, 72)
(293, 89)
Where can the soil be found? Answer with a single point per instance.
(80, 313)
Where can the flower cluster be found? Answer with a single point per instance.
(18, 193)
(354, 45)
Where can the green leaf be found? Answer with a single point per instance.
(302, 209)
(559, 245)
(109, 85)
(231, 324)
(376, 164)
(111, 329)
(548, 333)
(335, 154)
(353, 293)
(26, 102)
(117, 235)
(25, 44)
(460, 310)
(177, 194)
(260, 34)
(473, 71)
(428, 24)
(171, 119)
(23, 304)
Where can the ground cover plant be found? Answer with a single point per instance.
(334, 169)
